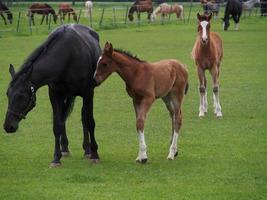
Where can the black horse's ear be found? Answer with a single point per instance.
(11, 70)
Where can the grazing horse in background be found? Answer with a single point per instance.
(5, 9)
(64, 9)
(146, 82)
(207, 53)
(233, 9)
(212, 6)
(140, 6)
(65, 62)
(41, 9)
(166, 9)
(89, 7)
(249, 5)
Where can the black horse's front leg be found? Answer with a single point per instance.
(90, 150)
(59, 128)
(3, 18)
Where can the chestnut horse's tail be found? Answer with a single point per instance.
(186, 88)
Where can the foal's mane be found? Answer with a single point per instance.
(128, 54)
(38, 52)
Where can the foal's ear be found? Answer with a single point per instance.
(108, 49)
(199, 16)
(11, 70)
(209, 17)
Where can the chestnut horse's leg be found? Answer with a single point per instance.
(215, 80)
(141, 108)
(203, 103)
(173, 103)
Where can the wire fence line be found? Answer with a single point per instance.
(104, 16)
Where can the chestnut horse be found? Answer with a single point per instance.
(41, 9)
(146, 82)
(5, 9)
(141, 6)
(65, 8)
(166, 9)
(207, 53)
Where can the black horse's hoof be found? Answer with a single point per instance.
(54, 164)
(95, 160)
(142, 161)
(87, 156)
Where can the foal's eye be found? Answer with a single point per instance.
(105, 64)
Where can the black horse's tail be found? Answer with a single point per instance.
(68, 106)
(186, 88)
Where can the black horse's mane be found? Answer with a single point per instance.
(38, 52)
(129, 54)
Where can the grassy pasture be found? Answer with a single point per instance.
(219, 159)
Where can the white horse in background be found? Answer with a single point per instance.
(88, 7)
(166, 9)
(249, 5)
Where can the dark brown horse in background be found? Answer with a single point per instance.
(66, 9)
(146, 82)
(41, 9)
(141, 6)
(207, 53)
(4, 9)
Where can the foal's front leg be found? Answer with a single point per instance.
(215, 79)
(141, 109)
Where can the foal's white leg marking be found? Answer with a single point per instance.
(217, 109)
(201, 105)
(236, 26)
(173, 147)
(206, 102)
(142, 147)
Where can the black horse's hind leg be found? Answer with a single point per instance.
(58, 127)
(89, 126)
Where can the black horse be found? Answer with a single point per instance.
(233, 9)
(4, 9)
(66, 62)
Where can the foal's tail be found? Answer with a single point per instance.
(186, 88)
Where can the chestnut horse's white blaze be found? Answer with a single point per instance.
(146, 82)
(207, 53)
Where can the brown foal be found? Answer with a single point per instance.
(145, 82)
(207, 53)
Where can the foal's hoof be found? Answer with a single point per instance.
(65, 153)
(54, 165)
(141, 161)
(95, 160)
(219, 115)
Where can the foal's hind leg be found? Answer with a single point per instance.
(215, 79)
(173, 104)
(90, 150)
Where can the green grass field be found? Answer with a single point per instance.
(219, 159)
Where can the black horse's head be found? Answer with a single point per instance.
(21, 99)
(226, 23)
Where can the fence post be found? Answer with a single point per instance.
(101, 19)
(90, 17)
(126, 14)
(138, 16)
(49, 22)
(189, 14)
(18, 22)
(79, 16)
(114, 17)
